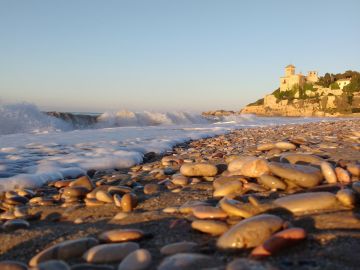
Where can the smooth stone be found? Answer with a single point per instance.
(137, 260)
(121, 235)
(64, 250)
(87, 266)
(93, 202)
(303, 176)
(52, 265)
(117, 200)
(108, 253)
(233, 208)
(237, 163)
(265, 146)
(186, 261)
(342, 175)
(219, 182)
(209, 212)
(279, 241)
(210, 226)
(311, 201)
(356, 187)
(15, 224)
(295, 158)
(104, 196)
(271, 182)
(188, 207)
(255, 168)
(128, 202)
(180, 180)
(250, 232)
(16, 200)
(285, 145)
(77, 191)
(178, 247)
(121, 190)
(150, 189)
(170, 210)
(346, 197)
(231, 187)
(354, 169)
(12, 265)
(120, 216)
(247, 264)
(83, 181)
(328, 172)
(198, 169)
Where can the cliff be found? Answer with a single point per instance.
(317, 102)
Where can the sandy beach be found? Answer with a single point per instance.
(162, 205)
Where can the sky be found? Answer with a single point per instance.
(167, 55)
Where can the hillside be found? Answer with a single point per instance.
(330, 95)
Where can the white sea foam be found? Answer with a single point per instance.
(41, 148)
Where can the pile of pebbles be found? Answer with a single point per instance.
(255, 180)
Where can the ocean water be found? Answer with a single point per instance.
(36, 148)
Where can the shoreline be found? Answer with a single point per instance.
(329, 231)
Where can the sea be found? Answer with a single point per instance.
(36, 148)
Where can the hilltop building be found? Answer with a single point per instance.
(343, 82)
(290, 79)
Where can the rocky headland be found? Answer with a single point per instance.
(331, 95)
(284, 197)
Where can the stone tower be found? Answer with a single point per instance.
(312, 77)
(289, 70)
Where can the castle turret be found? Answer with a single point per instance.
(312, 77)
(289, 70)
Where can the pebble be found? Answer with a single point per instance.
(150, 189)
(250, 232)
(222, 180)
(76, 191)
(328, 172)
(285, 145)
(198, 169)
(229, 188)
(121, 235)
(87, 266)
(170, 210)
(15, 224)
(137, 260)
(346, 197)
(180, 180)
(354, 169)
(303, 176)
(52, 265)
(108, 253)
(83, 181)
(209, 212)
(186, 261)
(103, 196)
(294, 158)
(311, 201)
(233, 208)
(342, 175)
(255, 168)
(120, 216)
(271, 182)
(265, 146)
(279, 241)
(64, 250)
(178, 247)
(247, 264)
(210, 226)
(128, 202)
(12, 265)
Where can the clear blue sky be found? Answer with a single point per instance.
(87, 55)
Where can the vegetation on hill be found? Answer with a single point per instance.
(257, 103)
(328, 78)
